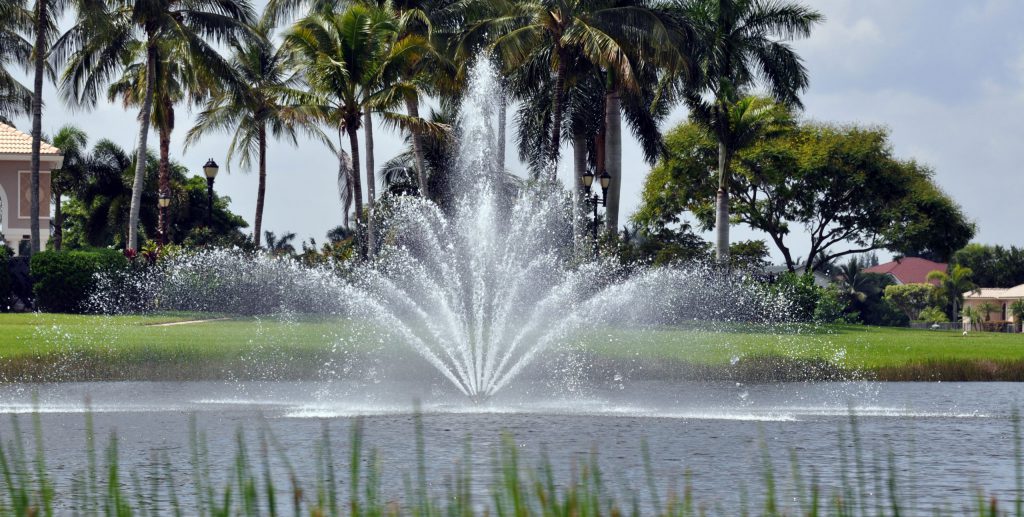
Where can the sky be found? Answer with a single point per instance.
(946, 77)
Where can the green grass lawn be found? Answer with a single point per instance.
(851, 346)
(138, 345)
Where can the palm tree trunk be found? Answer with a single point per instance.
(556, 118)
(164, 182)
(502, 122)
(58, 218)
(261, 190)
(357, 188)
(413, 109)
(613, 159)
(579, 214)
(371, 186)
(722, 207)
(37, 121)
(343, 172)
(140, 160)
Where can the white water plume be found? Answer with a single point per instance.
(479, 292)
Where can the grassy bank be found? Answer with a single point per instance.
(883, 353)
(174, 346)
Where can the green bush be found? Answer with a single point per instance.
(64, 280)
(832, 306)
(933, 315)
(800, 291)
(5, 277)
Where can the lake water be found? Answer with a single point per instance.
(946, 439)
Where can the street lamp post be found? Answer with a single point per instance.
(163, 202)
(588, 181)
(210, 169)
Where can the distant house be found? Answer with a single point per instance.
(998, 298)
(15, 182)
(908, 270)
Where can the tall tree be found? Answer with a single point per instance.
(262, 100)
(841, 184)
(176, 81)
(71, 176)
(952, 285)
(97, 46)
(45, 16)
(738, 44)
(567, 35)
(15, 51)
(342, 57)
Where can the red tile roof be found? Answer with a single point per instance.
(13, 141)
(908, 270)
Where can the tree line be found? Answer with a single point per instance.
(573, 71)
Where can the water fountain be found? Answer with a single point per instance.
(478, 292)
(485, 294)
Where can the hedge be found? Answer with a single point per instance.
(64, 280)
(5, 278)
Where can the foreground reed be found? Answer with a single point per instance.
(254, 486)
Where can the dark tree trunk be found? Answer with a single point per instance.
(357, 188)
(261, 190)
(613, 159)
(165, 172)
(39, 55)
(722, 206)
(556, 118)
(58, 217)
(412, 108)
(371, 186)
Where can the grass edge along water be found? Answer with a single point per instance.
(867, 487)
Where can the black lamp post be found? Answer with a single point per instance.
(588, 181)
(163, 202)
(210, 169)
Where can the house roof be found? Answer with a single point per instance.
(987, 293)
(13, 141)
(908, 270)
(996, 293)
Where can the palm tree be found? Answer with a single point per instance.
(71, 176)
(97, 47)
(738, 43)
(46, 15)
(987, 308)
(975, 319)
(15, 50)
(1017, 310)
(262, 98)
(176, 80)
(280, 245)
(953, 285)
(568, 35)
(341, 55)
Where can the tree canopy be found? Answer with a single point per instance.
(841, 184)
(992, 266)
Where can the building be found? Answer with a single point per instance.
(15, 181)
(908, 270)
(999, 299)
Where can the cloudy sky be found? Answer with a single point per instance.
(945, 76)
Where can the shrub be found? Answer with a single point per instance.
(801, 293)
(933, 315)
(832, 306)
(909, 298)
(64, 280)
(5, 278)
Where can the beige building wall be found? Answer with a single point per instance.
(15, 181)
